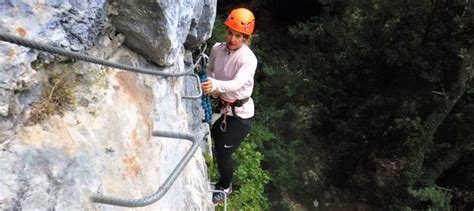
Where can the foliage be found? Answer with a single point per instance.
(435, 198)
(355, 85)
(219, 33)
(250, 179)
(57, 95)
(359, 97)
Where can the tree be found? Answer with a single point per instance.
(366, 86)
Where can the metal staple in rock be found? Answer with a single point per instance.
(168, 182)
(168, 134)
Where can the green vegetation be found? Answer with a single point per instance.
(219, 33)
(366, 101)
(434, 199)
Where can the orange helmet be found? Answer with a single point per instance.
(241, 20)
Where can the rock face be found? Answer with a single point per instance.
(101, 141)
(172, 24)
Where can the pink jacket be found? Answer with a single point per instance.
(231, 73)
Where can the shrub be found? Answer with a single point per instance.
(431, 198)
(58, 94)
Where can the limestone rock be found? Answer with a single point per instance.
(158, 29)
(102, 142)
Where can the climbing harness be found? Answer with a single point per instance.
(168, 134)
(226, 105)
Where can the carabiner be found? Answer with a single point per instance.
(223, 126)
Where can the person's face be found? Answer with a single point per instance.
(234, 39)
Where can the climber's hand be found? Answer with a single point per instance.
(206, 86)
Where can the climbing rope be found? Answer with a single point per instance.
(205, 98)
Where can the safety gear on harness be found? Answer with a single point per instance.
(224, 104)
(241, 20)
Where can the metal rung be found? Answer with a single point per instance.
(168, 182)
(225, 197)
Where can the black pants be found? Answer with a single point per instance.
(225, 143)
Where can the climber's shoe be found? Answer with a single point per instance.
(218, 197)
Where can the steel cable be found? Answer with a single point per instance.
(168, 134)
(79, 56)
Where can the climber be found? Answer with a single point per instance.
(231, 69)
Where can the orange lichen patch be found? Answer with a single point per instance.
(133, 166)
(21, 31)
(111, 186)
(32, 135)
(56, 136)
(139, 94)
(61, 129)
(136, 143)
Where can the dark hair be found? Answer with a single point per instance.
(248, 39)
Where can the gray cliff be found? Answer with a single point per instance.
(72, 129)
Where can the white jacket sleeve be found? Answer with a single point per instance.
(244, 74)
